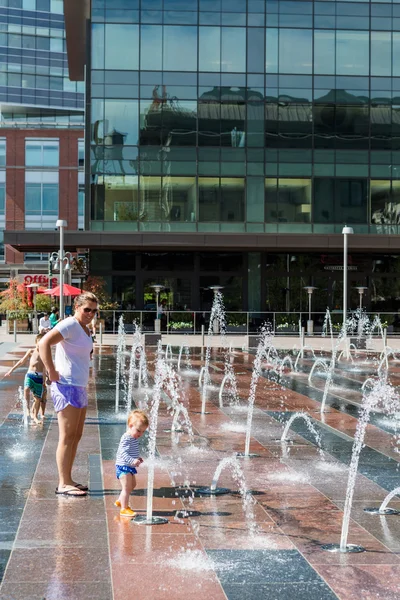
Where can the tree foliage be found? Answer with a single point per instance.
(98, 287)
(14, 298)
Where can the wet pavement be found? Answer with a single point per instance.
(58, 548)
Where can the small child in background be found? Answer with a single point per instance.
(34, 380)
(128, 459)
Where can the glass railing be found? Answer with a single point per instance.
(192, 322)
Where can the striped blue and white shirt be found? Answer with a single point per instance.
(128, 451)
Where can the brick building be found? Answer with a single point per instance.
(41, 130)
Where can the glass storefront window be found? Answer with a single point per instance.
(385, 202)
(324, 52)
(221, 199)
(352, 52)
(177, 293)
(271, 59)
(299, 61)
(121, 47)
(340, 200)
(294, 200)
(115, 123)
(168, 199)
(288, 200)
(120, 197)
(180, 48)
(233, 49)
(167, 261)
(220, 261)
(210, 49)
(124, 292)
(151, 47)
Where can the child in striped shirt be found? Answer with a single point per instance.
(128, 459)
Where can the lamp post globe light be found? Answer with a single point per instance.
(61, 224)
(34, 287)
(157, 287)
(346, 231)
(310, 323)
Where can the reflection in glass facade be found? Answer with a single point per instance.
(257, 116)
(246, 116)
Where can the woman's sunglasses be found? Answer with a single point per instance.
(90, 310)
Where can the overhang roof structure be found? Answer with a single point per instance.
(76, 15)
(48, 241)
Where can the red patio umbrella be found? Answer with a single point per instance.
(68, 290)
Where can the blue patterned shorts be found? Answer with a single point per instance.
(123, 470)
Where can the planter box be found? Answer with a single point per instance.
(22, 326)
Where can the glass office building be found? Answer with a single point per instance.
(229, 141)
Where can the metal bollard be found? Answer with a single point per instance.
(202, 335)
(101, 334)
(15, 330)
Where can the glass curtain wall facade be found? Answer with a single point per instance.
(245, 116)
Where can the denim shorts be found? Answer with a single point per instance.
(64, 395)
(123, 470)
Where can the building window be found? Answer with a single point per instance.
(81, 153)
(2, 153)
(36, 256)
(81, 201)
(41, 199)
(2, 199)
(41, 153)
(57, 7)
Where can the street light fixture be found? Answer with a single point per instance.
(157, 287)
(34, 287)
(61, 224)
(310, 323)
(345, 231)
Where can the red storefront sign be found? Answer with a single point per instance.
(42, 280)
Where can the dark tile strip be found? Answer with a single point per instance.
(95, 475)
(381, 469)
(20, 450)
(279, 574)
(332, 401)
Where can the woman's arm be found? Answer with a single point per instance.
(51, 338)
(19, 363)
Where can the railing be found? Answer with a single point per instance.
(189, 322)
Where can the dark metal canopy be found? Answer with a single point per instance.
(47, 241)
(76, 15)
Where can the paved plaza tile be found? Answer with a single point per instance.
(58, 548)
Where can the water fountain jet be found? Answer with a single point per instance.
(149, 519)
(120, 363)
(247, 499)
(383, 393)
(382, 510)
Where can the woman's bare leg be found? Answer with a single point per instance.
(68, 423)
(78, 434)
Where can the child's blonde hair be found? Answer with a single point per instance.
(138, 415)
(40, 336)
